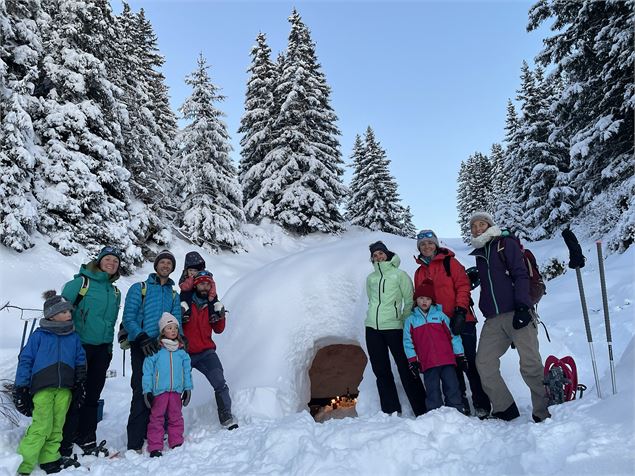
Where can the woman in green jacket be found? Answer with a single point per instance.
(390, 293)
(96, 300)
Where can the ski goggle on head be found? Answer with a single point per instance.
(425, 234)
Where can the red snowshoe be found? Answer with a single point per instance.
(561, 380)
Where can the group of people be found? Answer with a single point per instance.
(62, 369)
(429, 327)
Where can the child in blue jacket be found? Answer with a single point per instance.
(51, 370)
(167, 385)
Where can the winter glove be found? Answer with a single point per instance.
(149, 346)
(522, 317)
(23, 400)
(186, 312)
(461, 363)
(185, 397)
(415, 368)
(457, 320)
(79, 394)
(122, 338)
(148, 398)
(218, 313)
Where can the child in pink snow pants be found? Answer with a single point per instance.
(167, 385)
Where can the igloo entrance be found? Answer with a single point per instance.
(335, 375)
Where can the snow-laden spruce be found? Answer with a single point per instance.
(211, 211)
(474, 190)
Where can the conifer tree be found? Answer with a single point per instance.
(355, 199)
(211, 211)
(256, 125)
(474, 190)
(408, 228)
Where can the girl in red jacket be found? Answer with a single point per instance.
(452, 290)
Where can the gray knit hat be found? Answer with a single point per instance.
(55, 304)
(481, 215)
(426, 235)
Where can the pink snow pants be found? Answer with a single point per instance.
(168, 403)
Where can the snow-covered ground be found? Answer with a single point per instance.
(289, 297)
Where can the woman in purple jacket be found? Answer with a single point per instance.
(509, 318)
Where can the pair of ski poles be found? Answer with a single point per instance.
(576, 261)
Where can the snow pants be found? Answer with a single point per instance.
(479, 397)
(378, 344)
(81, 424)
(166, 406)
(139, 413)
(446, 375)
(496, 337)
(208, 363)
(41, 443)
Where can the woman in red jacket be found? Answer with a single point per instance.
(452, 290)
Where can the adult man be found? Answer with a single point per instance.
(145, 303)
(509, 318)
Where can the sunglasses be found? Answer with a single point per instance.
(425, 234)
(203, 273)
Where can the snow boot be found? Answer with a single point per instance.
(537, 419)
(509, 414)
(227, 421)
(60, 464)
(155, 454)
(466, 407)
(93, 449)
(482, 413)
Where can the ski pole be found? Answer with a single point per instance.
(607, 321)
(576, 261)
(123, 363)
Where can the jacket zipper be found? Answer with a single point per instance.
(59, 358)
(489, 275)
(171, 371)
(381, 276)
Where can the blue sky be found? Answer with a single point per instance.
(431, 78)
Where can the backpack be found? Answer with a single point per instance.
(561, 380)
(84, 290)
(537, 287)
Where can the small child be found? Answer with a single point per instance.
(194, 263)
(167, 384)
(432, 349)
(51, 371)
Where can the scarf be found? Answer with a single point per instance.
(199, 301)
(170, 344)
(426, 259)
(61, 328)
(489, 234)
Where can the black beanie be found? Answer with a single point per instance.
(165, 254)
(194, 261)
(378, 246)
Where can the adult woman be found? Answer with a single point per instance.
(452, 291)
(96, 302)
(390, 292)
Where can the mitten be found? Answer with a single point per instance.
(185, 397)
(23, 400)
(457, 320)
(218, 313)
(522, 317)
(149, 346)
(186, 312)
(461, 363)
(147, 399)
(415, 368)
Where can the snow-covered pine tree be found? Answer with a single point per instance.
(375, 197)
(256, 126)
(408, 228)
(592, 47)
(211, 211)
(355, 200)
(20, 52)
(474, 190)
(302, 186)
(81, 184)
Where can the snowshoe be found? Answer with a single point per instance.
(60, 464)
(94, 449)
(560, 379)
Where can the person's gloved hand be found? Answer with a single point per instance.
(522, 317)
(79, 389)
(415, 368)
(461, 363)
(218, 312)
(147, 399)
(122, 338)
(186, 312)
(149, 346)
(23, 400)
(457, 320)
(185, 397)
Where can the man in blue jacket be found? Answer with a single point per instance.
(145, 303)
(509, 318)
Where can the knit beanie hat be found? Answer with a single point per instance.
(108, 250)
(167, 318)
(203, 277)
(378, 246)
(165, 254)
(194, 261)
(54, 304)
(481, 215)
(426, 235)
(425, 289)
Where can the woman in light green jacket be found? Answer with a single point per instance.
(390, 293)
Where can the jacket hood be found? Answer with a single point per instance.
(92, 271)
(394, 262)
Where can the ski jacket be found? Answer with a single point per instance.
(143, 314)
(167, 371)
(503, 287)
(389, 291)
(450, 291)
(96, 314)
(49, 360)
(198, 329)
(428, 339)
